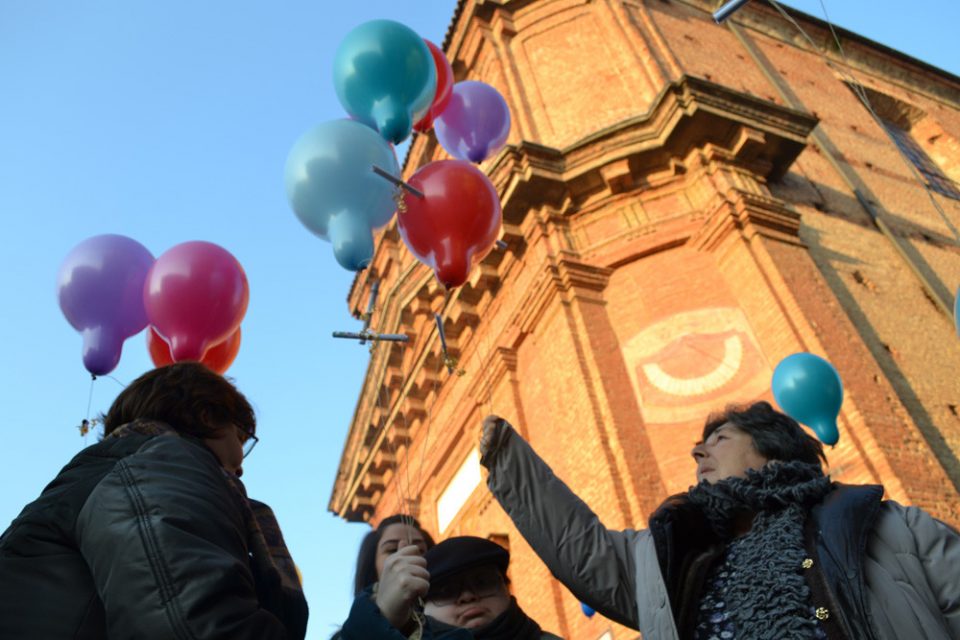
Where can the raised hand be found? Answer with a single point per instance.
(487, 432)
(404, 579)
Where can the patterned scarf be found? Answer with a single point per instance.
(275, 574)
(767, 594)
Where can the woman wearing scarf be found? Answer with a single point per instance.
(149, 534)
(764, 546)
(463, 585)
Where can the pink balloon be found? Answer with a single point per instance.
(196, 295)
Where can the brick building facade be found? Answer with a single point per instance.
(685, 204)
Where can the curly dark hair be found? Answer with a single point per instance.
(776, 436)
(367, 556)
(188, 396)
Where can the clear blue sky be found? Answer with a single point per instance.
(171, 121)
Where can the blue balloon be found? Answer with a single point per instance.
(809, 390)
(956, 311)
(329, 174)
(352, 241)
(587, 610)
(385, 76)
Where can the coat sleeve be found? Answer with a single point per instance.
(366, 622)
(595, 563)
(165, 541)
(938, 547)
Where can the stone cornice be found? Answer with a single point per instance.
(687, 114)
(748, 214)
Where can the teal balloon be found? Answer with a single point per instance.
(385, 77)
(809, 390)
(352, 241)
(956, 311)
(329, 174)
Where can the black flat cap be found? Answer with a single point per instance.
(456, 555)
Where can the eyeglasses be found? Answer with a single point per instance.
(482, 583)
(249, 441)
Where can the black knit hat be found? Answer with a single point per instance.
(456, 555)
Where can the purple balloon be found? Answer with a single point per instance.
(476, 122)
(100, 290)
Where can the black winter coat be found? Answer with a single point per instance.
(138, 537)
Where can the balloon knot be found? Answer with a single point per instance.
(451, 363)
(86, 425)
(399, 200)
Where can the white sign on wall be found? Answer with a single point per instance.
(464, 481)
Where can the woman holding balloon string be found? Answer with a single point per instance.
(391, 534)
(763, 546)
(458, 590)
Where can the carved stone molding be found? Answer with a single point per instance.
(747, 214)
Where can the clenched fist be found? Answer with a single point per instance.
(487, 432)
(404, 579)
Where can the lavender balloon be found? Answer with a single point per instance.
(476, 122)
(100, 289)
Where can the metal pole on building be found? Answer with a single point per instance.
(366, 334)
(724, 12)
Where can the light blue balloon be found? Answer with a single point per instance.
(385, 76)
(956, 311)
(809, 390)
(329, 174)
(352, 241)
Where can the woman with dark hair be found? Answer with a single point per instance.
(764, 546)
(465, 591)
(149, 533)
(392, 533)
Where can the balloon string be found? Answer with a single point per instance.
(93, 380)
(85, 424)
(488, 403)
(400, 200)
(383, 401)
(429, 421)
(122, 385)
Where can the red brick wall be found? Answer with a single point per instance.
(667, 285)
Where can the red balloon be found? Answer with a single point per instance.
(457, 221)
(444, 88)
(196, 295)
(218, 358)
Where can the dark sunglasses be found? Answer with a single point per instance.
(483, 584)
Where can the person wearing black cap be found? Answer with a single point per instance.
(469, 590)
(463, 583)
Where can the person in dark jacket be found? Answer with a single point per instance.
(148, 534)
(393, 533)
(764, 546)
(464, 586)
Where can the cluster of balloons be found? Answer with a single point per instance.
(193, 298)
(809, 390)
(391, 81)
